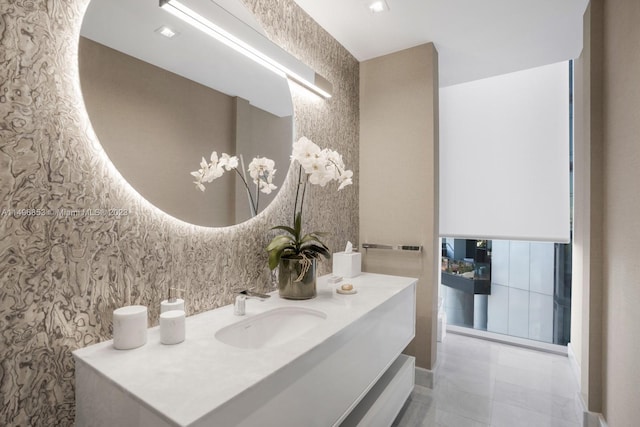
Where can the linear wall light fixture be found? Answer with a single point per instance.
(319, 86)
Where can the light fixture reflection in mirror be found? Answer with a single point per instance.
(319, 86)
(158, 105)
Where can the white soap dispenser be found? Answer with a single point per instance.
(172, 302)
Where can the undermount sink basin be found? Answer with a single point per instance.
(271, 328)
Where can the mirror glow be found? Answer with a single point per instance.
(159, 105)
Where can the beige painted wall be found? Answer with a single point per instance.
(255, 128)
(606, 320)
(621, 326)
(156, 126)
(399, 176)
(586, 304)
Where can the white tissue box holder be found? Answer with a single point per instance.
(347, 265)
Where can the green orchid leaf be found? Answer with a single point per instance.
(293, 243)
(310, 238)
(277, 253)
(285, 228)
(280, 241)
(298, 225)
(313, 240)
(314, 244)
(274, 258)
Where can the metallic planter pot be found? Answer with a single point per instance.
(297, 278)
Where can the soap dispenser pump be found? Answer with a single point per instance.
(172, 302)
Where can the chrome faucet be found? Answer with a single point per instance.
(240, 303)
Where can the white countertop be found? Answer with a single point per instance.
(184, 382)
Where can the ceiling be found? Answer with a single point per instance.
(474, 38)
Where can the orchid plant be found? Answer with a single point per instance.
(261, 170)
(318, 167)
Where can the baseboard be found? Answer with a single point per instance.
(603, 422)
(575, 366)
(579, 407)
(426, 377)
(590, 419)
(507, 339)
(594, 419)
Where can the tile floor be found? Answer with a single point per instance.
(482, 383)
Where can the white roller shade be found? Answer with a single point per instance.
(504, 156)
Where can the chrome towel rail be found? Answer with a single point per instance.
(409, 248)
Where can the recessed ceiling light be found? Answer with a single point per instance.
(166, 31)
(378, 6)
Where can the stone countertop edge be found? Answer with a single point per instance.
(161, 376)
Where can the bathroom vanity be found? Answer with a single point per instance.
(333, 360)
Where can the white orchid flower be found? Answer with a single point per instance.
(262, 171)
(200, 174)
(334, 163)
(214, 158)
(267, 188)
(305, 152)
(345, 179)
(210, 171)
(320, 165)
(228, 162)
(214, 171)
(319, 173)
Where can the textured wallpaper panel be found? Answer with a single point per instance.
(62, 272)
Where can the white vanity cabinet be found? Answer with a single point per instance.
(346, 370)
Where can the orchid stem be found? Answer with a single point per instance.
(254, 206)
(304, 190)
(295, 205)
(257, 195)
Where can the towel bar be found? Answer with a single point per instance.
(409, 248)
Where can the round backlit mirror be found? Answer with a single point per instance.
(161, 95)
